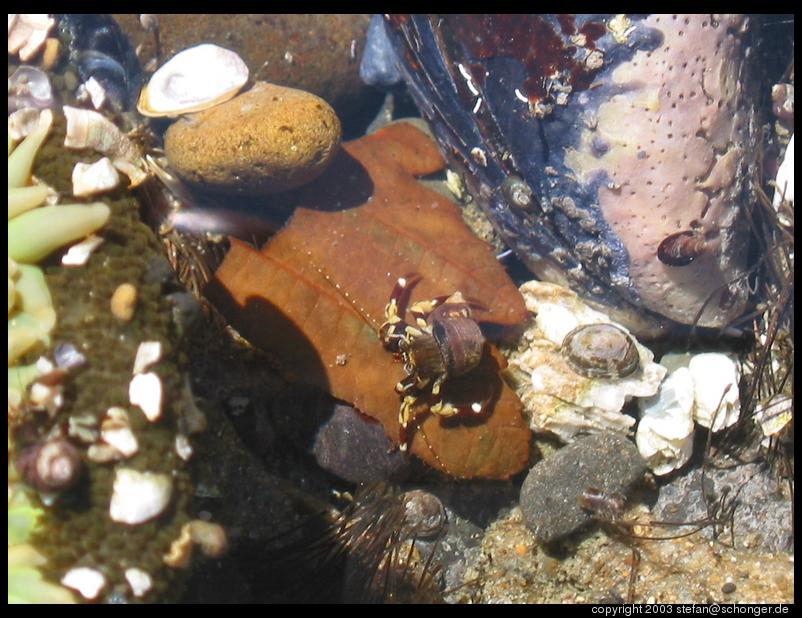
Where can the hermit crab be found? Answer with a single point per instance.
(445, 341)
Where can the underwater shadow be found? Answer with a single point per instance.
(250, 320)
(345, 184)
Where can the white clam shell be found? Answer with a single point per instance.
(194, 79)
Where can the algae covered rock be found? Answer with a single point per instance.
(77, 536)
(267, 140)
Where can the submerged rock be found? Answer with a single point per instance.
(267, 140)
(762, 511)
(551, 493)
(316, 53)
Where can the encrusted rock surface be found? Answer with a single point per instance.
(676, 142)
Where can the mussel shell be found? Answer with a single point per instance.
(532, 97)
(600, 351)
(99, 48)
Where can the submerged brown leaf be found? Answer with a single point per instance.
(314, 297)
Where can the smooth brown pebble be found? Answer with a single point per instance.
(267, 140)
(123, 302)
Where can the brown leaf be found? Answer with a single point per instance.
(315, 295)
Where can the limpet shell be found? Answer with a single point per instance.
(600, 351)
(193, 80)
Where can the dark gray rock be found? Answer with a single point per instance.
(342, 440)
(354, 447)
(762, 513)
(379, 66)
(552, 490)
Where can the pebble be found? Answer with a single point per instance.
(267, 140)
(342, 441)
(551, 491)
(123, 302)
(379, 65)
(728, 588)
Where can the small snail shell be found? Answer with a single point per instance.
(600, 351)
(52, 465)
(517, 192)
(424, 513)
(461, 343)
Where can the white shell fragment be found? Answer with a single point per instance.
(138, 497)
(195, 79)
(183, 448)
(775, 415)
(86, 581)
(559, 400)
(148, 353)
(23, 122)
(785, 178)
(90, 129)
(116, 432)
(79, 253)
(665, 432)
(93, 178)
(92, 89)
(715, 385)
(139, 580)
(210, 537)
(145, 391)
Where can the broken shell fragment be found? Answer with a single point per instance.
(775, 415)
(785, 178)
(27, 33)
(139, 496)
(94, 178)
(145, 391)
(140, 581)
(90, 129)
(116, 432)
(79, 253)
(665, 432)
(211, 538)
(148, 353)
(715, 387)
(86, 581)
(193, 80)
